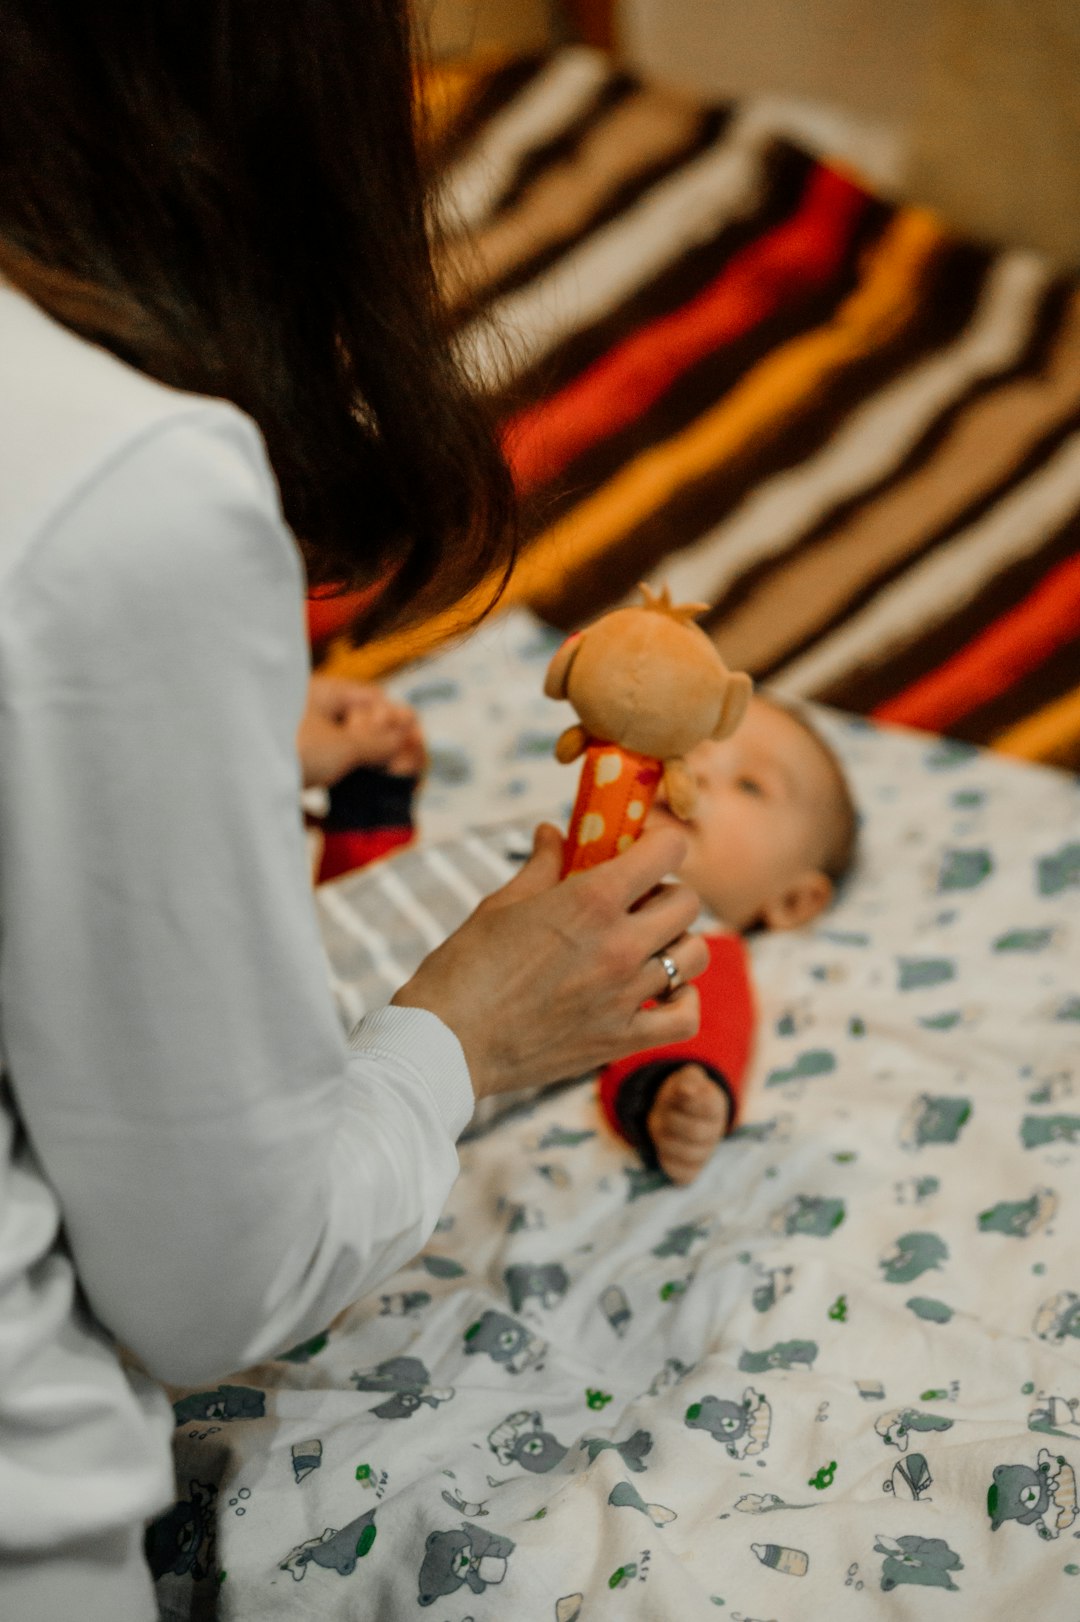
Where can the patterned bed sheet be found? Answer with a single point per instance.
(838, 1376)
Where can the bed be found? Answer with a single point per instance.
(838, 1376)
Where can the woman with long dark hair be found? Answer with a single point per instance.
(222, 375)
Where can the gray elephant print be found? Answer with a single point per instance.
(896, 1428)
(786, 1354)
(409, 1383)
(922, 1562)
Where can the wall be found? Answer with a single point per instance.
(974, 104)
(457, 27)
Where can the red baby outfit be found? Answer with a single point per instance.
(722, 1047)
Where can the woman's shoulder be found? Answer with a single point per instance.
(70, 411)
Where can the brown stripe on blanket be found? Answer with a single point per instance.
(495, 89)
(988, 441)
(683, 275)
(697, 391)
(643, 139)
(702, 385)
(867, 684)
(555, 152)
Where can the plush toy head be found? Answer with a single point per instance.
(649, 679)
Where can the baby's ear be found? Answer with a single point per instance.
(734, 704)
(559, 669)
(800, 901)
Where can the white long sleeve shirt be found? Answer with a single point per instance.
(177, 1092)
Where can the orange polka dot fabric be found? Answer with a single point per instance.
(615, 791)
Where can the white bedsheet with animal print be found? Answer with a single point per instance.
(837, 1377)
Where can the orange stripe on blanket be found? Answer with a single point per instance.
(1052, 734)
(996, 659)
(793, 260)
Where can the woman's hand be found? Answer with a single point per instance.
(547, 979)
(349, 724)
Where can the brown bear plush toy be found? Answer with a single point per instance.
(647, 685)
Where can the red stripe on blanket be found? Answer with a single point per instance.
(793, 259)
(1007, 650)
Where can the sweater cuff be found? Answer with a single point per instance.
(637, 1094)
(419, 1039)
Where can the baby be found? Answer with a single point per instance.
(772, 835)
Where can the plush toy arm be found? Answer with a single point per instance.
(615, 791)
(570, 744)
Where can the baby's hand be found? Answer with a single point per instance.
(348, 724)
(688, 1118)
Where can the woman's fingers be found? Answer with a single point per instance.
(666, 915)
(541, 871)
(639, 869)
(674, 1019)
(688, 956)
(546, 979)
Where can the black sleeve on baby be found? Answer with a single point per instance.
(369, 798)
(636, 1096)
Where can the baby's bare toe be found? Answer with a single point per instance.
(679, 1165)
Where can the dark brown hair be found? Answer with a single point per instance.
(227, 194)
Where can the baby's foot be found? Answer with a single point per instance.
(688, 1118)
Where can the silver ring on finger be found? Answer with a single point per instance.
(671, 969)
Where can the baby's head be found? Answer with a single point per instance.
(774, 828)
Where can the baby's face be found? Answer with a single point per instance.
(763, 799)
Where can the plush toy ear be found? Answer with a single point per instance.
(558, 671)
(735, 701)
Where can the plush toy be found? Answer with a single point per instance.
(647, 685)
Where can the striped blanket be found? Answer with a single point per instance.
(721, 362)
